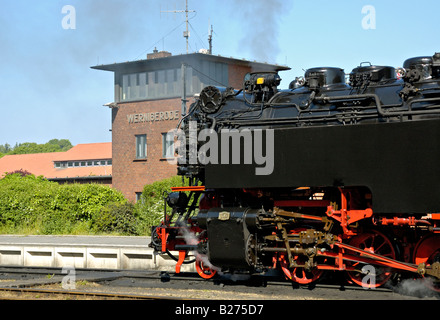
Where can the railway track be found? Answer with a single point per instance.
(54, 294)
(50, 283)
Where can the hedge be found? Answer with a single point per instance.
(34, 205)
(30, 204)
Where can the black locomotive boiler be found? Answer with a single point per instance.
(335, 173)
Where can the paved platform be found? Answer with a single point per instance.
(93, 252)
(75, 240)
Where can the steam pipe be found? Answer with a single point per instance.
(189, 247)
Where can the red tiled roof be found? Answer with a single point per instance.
(42, 164)
(89, 151)
(80, 172)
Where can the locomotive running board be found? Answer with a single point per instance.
(189, 188)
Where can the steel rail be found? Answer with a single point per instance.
(87, 294)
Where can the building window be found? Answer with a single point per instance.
(141, 146)
(168, 145)
(89, 163)
(59, 165)
(139, 197)
(167, 83)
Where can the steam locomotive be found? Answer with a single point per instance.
(338, 172)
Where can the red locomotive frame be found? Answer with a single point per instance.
(347, 251)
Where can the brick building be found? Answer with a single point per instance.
(148, 103)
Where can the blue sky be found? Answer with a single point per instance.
(49, 91)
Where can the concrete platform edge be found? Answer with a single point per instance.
(102, 255)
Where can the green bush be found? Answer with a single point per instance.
(82, 201)
(116, 217)
(22, 199)
(151, 208)
(35, 205)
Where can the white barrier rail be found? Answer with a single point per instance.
(93, 256)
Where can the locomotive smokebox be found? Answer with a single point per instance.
(231, 242)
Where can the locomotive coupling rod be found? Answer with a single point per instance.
(389, 262)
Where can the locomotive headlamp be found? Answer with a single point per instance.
(262, 85)
(270, 79)
(210, 99)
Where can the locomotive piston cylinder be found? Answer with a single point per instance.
(230, 235)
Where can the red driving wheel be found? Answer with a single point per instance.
(372, 241)
(298, 274)
(427, 251)
(204, 271)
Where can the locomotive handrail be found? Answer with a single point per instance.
(355, 97)
(328, 99)
(379, 105)
(424, 100)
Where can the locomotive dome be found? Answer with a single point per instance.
(324, 76)
(378, 73)
(421, 67)
(415, 62)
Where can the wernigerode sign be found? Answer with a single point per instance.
(153, 116)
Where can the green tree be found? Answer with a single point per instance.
(5, 148)
(53, 145)
(63, 144)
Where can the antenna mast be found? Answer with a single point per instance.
(210, 41)
(186, 11)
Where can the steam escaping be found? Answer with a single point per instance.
(420, 287)
(191, 239)
(261, 22)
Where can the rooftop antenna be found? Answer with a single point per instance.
(210, 40)
(186, 11)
